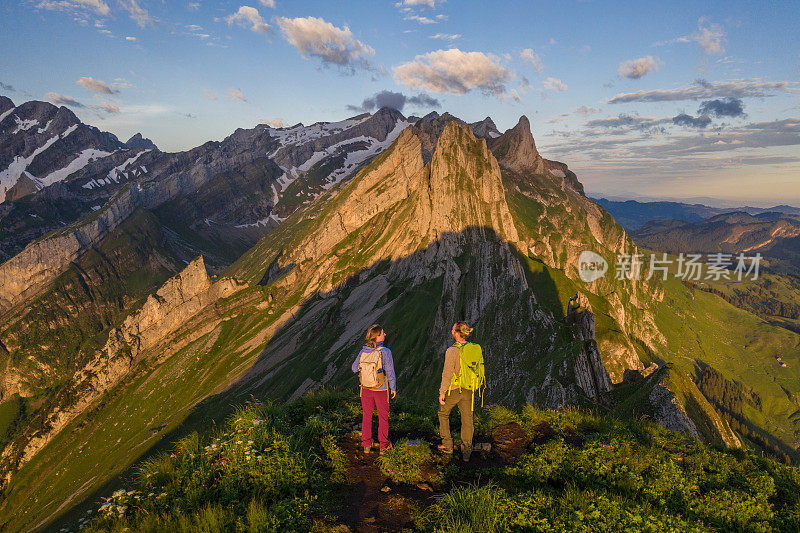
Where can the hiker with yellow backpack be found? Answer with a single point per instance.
(463, 375)
(375, 369)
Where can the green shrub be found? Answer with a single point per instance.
(404, 463)
(471, 509)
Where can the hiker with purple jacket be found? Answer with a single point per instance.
(375, 367)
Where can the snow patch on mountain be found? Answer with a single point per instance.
(24, 125)
(9, 176)
(69, 130)
(46, 127)
(83, 159)
(300, 134)
(6, 113)
(356, 158)
(115, 172)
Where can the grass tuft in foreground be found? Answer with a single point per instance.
(280, 468)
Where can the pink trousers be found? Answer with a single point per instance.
(370, 400)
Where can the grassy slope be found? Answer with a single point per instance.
(102, 443)
(274, 467)
(702, 326)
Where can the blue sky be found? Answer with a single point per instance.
(681, 99)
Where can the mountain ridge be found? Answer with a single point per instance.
(415, 242)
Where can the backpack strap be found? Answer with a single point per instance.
(460, 347)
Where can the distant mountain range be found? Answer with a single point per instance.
(633, 214)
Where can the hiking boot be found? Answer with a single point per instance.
(444, 449)
(367, 449)
(384, 450)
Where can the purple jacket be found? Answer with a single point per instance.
(386, 361)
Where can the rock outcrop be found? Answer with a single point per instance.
(140, 143)
(180, 298)
(516, 150)
(43, 260)
(670, 413)
(590, 372)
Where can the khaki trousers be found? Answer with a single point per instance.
(463, 399)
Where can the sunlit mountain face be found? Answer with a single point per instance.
(179, 311)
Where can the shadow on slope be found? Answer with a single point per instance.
(416, 298)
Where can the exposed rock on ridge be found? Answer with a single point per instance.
(180, 298)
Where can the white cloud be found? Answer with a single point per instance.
(554, 84)
(236, 94)
(585, 111)
(453, 71)
(248, 16)
(417, 3)
(60, 99)
(708, 89)
(129, 38)
(533, 58)
(97, 86)
(710, 37)
(137, 13)
(421, 20)
(446, 36)
(122, 83)
(267, 3)
(108, 108)
(314, 37)
(274, 122)
(209, 95)
(98, 6)
(636, 68)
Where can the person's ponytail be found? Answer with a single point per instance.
(373, 333)
(463, 329)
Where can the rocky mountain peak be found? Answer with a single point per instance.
(516, 150)
(485, 128)
(5, 104)
(139, 142)
(466, 184)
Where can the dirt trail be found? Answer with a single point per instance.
(374, 503)
(367, 508)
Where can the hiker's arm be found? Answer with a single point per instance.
(450, 361)
(388, 366)
(357, 361)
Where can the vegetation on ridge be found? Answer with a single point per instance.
(284, 468)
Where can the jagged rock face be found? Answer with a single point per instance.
(516, 150)
(466, 186)
(141, 143)
(176, 302)
(44, 340)
(485, 129)
(591, 374)
(461, 188)
(43, 144)
(431, 126)
(41, 261)
(669, 412)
